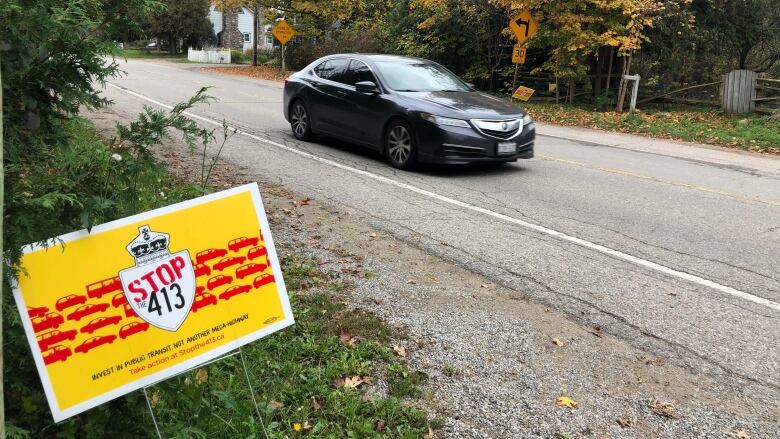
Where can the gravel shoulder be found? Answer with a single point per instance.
(496, 360)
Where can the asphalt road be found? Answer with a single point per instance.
(676, 255)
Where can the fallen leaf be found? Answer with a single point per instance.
(276, 405)
(306, 426)
(348, 338)
(352, 383)
(739, 434)
(315, 405)
(202, 375)
(401, 351)
(379, 301)
(322, 262)
(304, 202)
(155, 399)
(380, 426)
(372, 235)
(565, 401)
(624, 421)
(430, 435)
(596, 330)
(411, 281)
(557, 342)
(488, 286)
(664, 409)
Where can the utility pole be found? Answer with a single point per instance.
(254, 32)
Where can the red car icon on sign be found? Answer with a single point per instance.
(132, 328)
(69, 301)
(100, 322)
(202, 270)
(218, 280)
(118, 300)
(228, 262)
(85, 310)
(239, 243)
(249, 269)
(203, 299)
(37, 312)
(105, 286)
(129, 311)
(51, 320)
(94, 342)
(234, 291)
(207, 255)
(263, 279)
(256, 252)
(51, 338)
(56, 353)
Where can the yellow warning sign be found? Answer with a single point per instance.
(283, 32)
(523, 93)
(523, 26)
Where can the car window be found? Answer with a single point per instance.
(359, 72)
(333, 69)
(419, 76)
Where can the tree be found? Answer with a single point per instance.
(184, 21)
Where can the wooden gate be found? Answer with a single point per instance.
(738, 91)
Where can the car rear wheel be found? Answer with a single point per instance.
(400, 147)
(300, 122)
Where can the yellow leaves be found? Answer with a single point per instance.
(664, 409)
(201, 376)
(565, 401)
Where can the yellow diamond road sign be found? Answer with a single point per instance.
(523, 25)
(283, 32)
(523, 93)
(518, 55)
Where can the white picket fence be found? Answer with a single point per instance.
(213, 56)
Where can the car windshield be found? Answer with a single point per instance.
(419, 77)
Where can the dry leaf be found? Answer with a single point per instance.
(306, 426)
(379, 301)
(662, 409)
(202, 375)
(304, 202)
(596, 330)
(739, 434)
(322, 262)
(411, 281)
(488, 286)
(401, 351)
(372, 235)
(565, 401)
(368, 380)
(351, 383)
(276, 405)
(625, 421)
(155, 399)
(380, 426)
(557, 342)
(430, 435)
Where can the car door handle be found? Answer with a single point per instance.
(341, 93)
(315, 84)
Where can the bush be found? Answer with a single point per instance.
(237, 57)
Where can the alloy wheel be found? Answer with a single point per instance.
(299, 121)
(399, 144)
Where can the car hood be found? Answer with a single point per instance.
(464, 104)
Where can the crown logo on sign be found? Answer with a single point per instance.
(149, 246)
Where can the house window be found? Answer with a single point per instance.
(247, 37)
(269, 40)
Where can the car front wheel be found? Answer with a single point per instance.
(400, 145)
(300, 122)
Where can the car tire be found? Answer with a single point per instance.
(400, 147)
(300, 121)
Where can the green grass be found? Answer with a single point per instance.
(694, 124)
(293, 373)
(143, 54)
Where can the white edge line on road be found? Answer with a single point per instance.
(541, 229)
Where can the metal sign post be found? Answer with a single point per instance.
(238, 352)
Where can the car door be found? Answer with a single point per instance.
(329, 97)
(366, 112)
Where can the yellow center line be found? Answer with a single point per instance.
(662, 181)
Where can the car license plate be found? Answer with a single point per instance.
(507, 147)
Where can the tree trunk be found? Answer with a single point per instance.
(2, 284)
(609, 69)
(171, 44)
(254, 39)
(623, 83)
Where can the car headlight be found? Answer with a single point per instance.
(527, 119)
(446, 121)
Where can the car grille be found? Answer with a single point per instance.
(499, 129)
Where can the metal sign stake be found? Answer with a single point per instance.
(238, 352)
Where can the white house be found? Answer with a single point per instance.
(234, 29)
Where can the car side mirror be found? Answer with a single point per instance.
(367, 87)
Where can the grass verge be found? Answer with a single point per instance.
(319, 378)
(268, 73)
(151, 54)
(693, 124)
